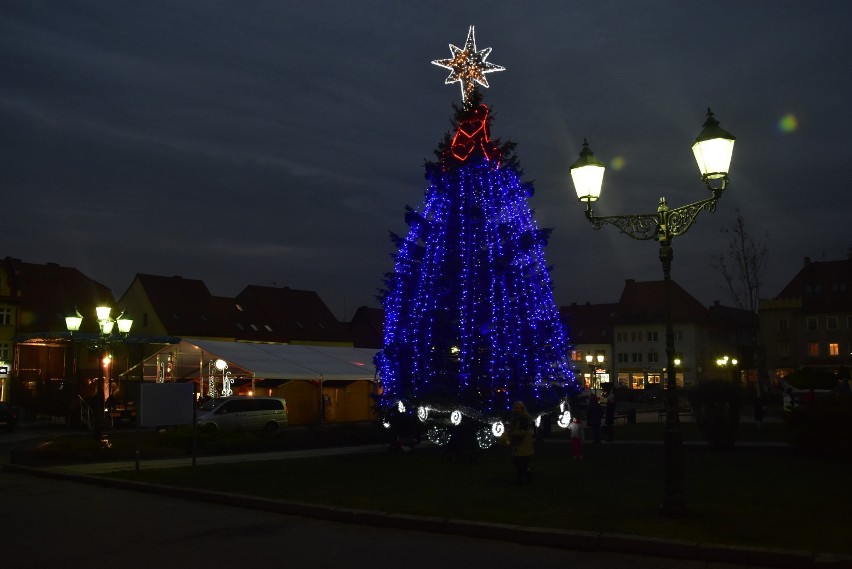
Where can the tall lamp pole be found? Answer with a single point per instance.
(593, 362)
(105, 338)
(713, 149)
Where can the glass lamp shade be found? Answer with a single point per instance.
(221, 365)
(589, 358)
(600, 358)
(713, 148)
(106, 326)
(103, 312)
(73, 321)
(587, 173)
(124, 324)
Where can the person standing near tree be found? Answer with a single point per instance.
(575, 428)
(521, 439)
(593, 419)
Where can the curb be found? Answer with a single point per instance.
(575, 540)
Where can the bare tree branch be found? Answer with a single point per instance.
(743, 263)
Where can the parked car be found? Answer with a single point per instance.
(243, 413)
(8, 416)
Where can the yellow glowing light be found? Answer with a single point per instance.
(788, 123)
(468, 66)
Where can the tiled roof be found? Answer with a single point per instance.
(822, 286)
(367, 327)
(185, 306)
(299, 315)
(589, 323)
(258, 314)
(45, 294)
(643, 302)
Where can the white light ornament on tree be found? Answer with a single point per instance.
(468, 66)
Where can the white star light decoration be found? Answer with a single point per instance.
(468, 66)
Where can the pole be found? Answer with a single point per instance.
(673, 500)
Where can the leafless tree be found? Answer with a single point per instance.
(742, 263)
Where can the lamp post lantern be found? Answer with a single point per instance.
(725, 361)
(105, 338)
(594, 362)
(713, 148)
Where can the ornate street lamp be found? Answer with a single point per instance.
(593, 362)
(712, 148)
(105, 338)
(725, 361)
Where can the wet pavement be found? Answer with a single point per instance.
(72, 517)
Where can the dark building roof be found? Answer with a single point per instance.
(45, 294)
(185, 307)
(258, 314)
(299, 315)
(823, 286)
(642, 302)
(367, 326)
(589, 323)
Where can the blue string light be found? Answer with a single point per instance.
(470, 320)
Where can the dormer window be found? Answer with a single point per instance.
(268, 327)
(254, 327)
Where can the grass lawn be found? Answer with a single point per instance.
(759, 496)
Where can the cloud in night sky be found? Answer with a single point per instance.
(278, 142)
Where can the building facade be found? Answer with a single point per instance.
(809, 323)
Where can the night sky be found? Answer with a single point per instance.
(277, 143)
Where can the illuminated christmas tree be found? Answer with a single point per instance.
(470, 320)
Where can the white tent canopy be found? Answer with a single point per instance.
(292, 362)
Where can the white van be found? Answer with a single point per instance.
(243, 413)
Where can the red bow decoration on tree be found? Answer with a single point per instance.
(473, 133)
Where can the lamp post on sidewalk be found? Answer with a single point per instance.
(593, 362)
(712, 149)
(104, 340)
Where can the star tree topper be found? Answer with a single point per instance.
(468, 66)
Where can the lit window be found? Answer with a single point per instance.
(834, 349)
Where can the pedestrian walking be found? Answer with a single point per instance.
(521, 438)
